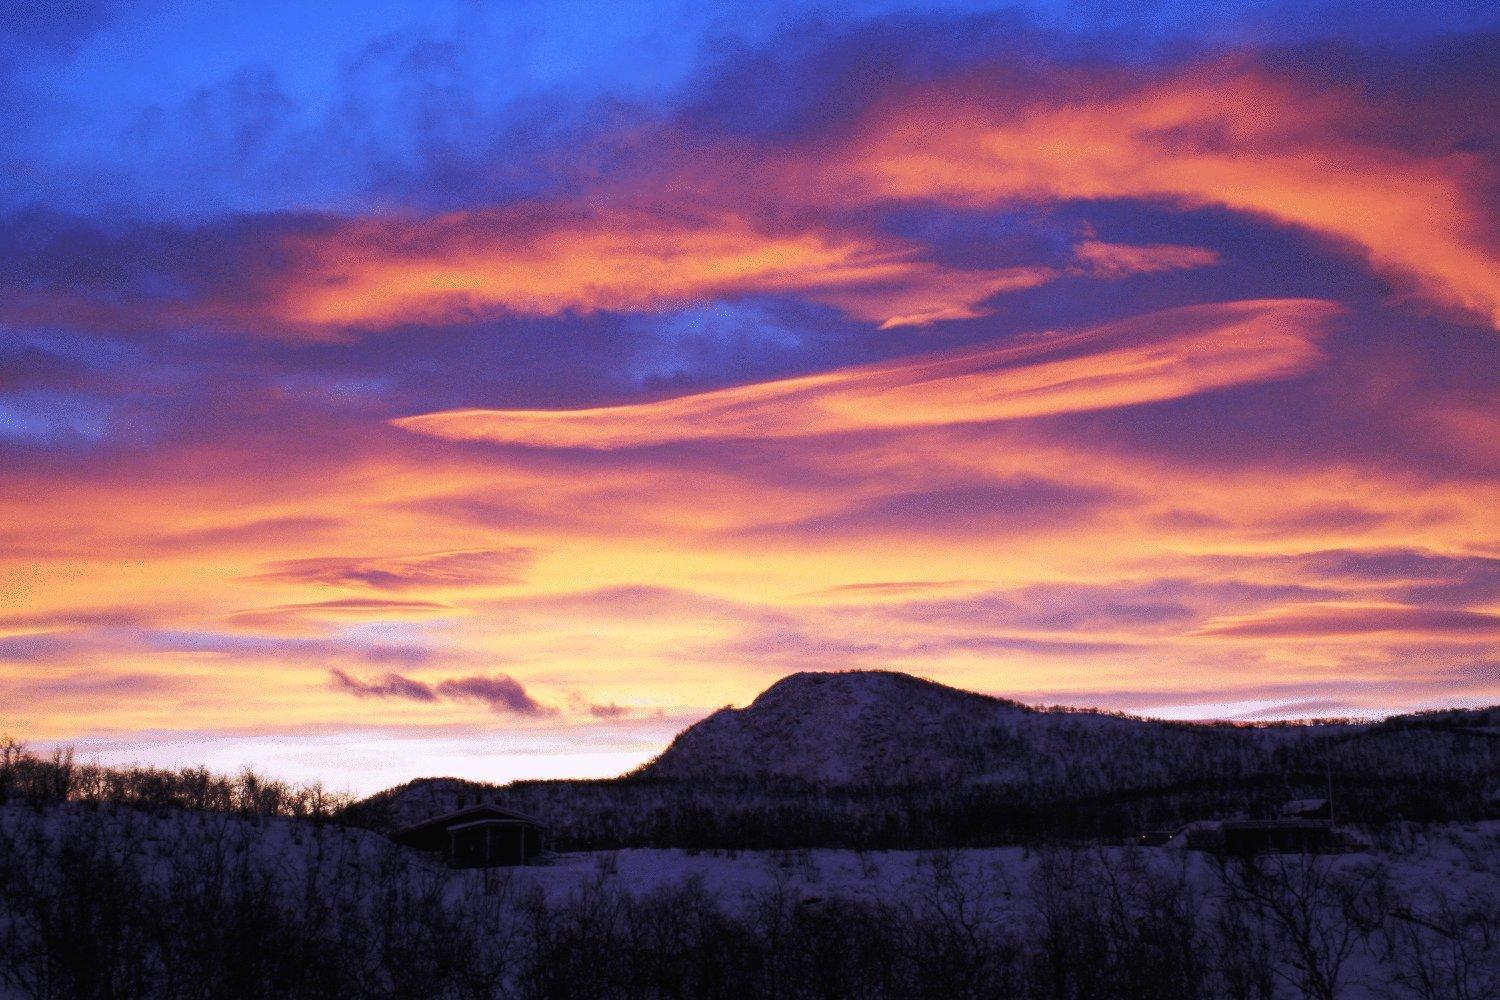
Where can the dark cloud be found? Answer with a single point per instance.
(466, 568)
(385, 686)
(500, 693)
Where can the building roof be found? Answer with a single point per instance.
(1299, 806)
(1276, 824)
(482, 812)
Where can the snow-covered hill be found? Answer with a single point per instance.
(881, 727)
(844, 728)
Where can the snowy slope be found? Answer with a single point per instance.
(890, 728)
(866, 726)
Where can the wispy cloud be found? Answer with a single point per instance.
(1147, 359)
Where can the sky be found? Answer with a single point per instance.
(493, 389)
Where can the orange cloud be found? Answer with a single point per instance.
(477, 264)
(472, 265)
(1098, 259)
(1213, 135)
(1160, 356)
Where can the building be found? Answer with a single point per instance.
(1306, 809)
(1263, 836)
(480, 836)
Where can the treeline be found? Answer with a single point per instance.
(26, 776)
(1435, 768)
(106, 903)
(1437, 772)
(768, 815)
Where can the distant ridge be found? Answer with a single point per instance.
(886, 728)
(887, 759)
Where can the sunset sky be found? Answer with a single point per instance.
(492, 389)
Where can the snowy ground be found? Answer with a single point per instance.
(1422, 860)
(1425, 867)
(1434, 858)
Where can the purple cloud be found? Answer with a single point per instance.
(500, 692)
(385, 686)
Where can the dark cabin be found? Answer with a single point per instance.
(1264, 836)
(481, 836)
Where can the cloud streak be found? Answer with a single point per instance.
(1146, 359)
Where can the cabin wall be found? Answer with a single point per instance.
(492, 846)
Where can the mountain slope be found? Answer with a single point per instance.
(879, 727)
(841, 728)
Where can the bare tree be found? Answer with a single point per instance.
(1449, 950)
(1319, 911)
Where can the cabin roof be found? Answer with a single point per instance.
(1276, 824)
(1304, 805)
(483, 812)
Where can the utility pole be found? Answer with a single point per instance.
(1328, 771)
